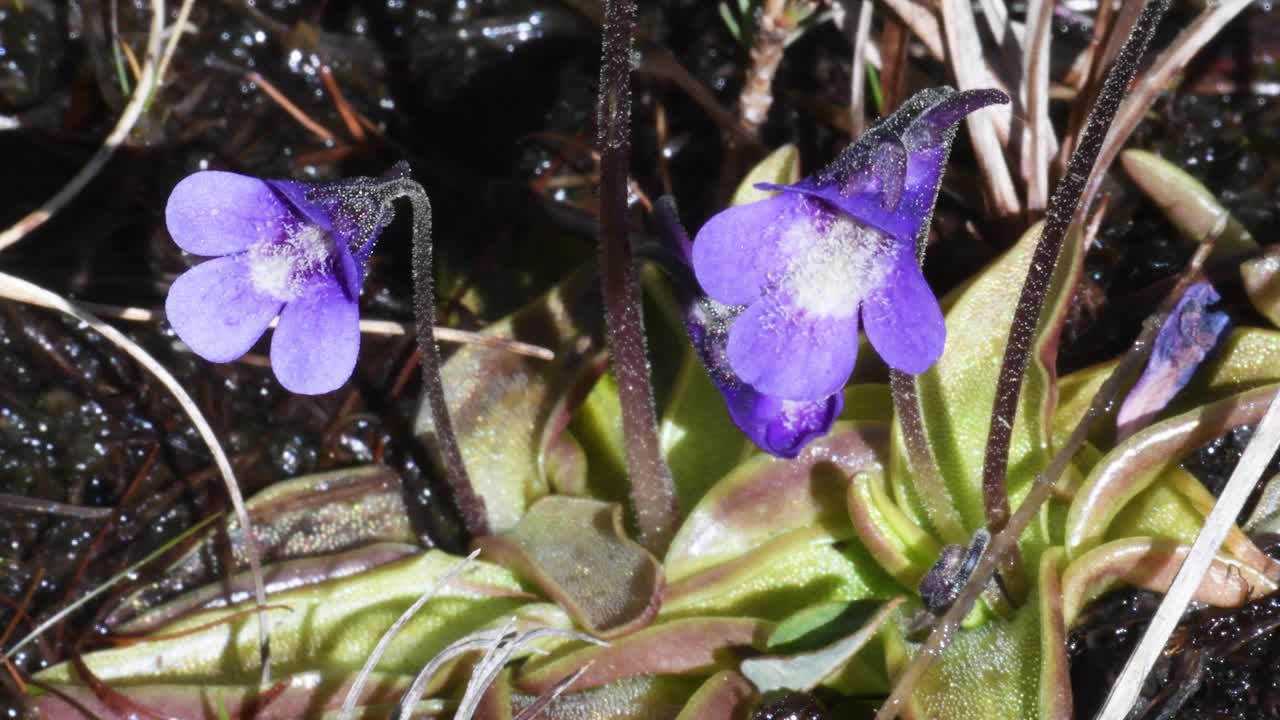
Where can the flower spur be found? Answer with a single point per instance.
(836, 250)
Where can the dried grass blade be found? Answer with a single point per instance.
(1253, 463)
(368, 326)
(1162, 72)
(548, 697)
(1036, 145)
(970, 67)
(22, 291)
(923, 24)
(362, 677)
(128, 118)
(175, 34)
(110, 583)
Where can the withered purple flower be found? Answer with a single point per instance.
(280, 248)
(1185, 338)
(837, 246)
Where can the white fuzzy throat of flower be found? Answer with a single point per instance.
(833, 263)
(281, 269)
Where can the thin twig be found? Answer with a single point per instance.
(858, 84)
(128, 118)
(923, 23)
(349, 115)
(766, 53)
(653, 496)
(175, 34)
(357, 686)
(1253, 463)
(1061, 216)
(385, 328)
(22, 291)
(24, 504)
(1006, 540)
(895, 46)
(294, 111)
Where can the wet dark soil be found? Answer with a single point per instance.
(492, 103)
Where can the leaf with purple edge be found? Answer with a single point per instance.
(295, 696)
(724, 696)
(766, 497)
(632, 698)
(1151, 563)
(1142, 459)
(306, 516)
(803, 670)
(576, 551)
(693, 646)
(804, 566)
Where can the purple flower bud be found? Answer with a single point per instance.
(281, 248)
(834, 249)
(1187, 336)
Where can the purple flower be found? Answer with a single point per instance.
(779, 427)
(280, 248)
(837, 246)
(1187, 336)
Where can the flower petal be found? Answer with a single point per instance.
(791, 354)
(219, 213)
(315, 346)
(781, 427)
(902, 318)
(736, 250)
(889, 178)
(216, 311)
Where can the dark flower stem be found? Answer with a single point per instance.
(470, 505)
(1063, 212)
(653, 495)
(1006, 540)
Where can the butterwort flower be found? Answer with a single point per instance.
(779, 427)
(835, 251)
(1185, 338)
(281, 249)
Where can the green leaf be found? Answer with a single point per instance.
(957, 394)
(327, 627)
(576, 551)
(767, 497)
(694, 646)
(1189, 204)
(503, 402)
(780, 167)
(1002, 669)
(853, 627)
